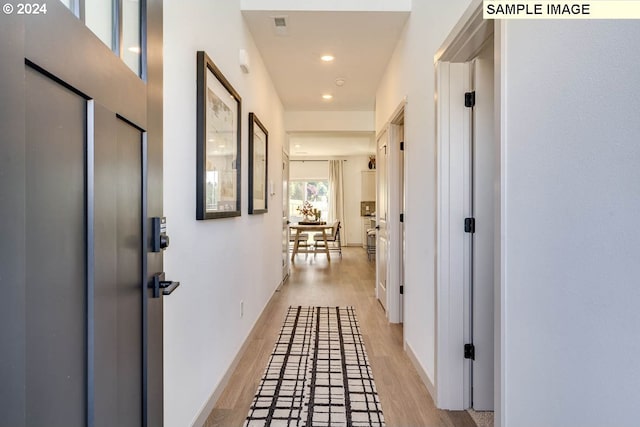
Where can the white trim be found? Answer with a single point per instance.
(462, 45)
(398, 112)
(380, 249)
(394, 310)
(500, 228)
(467, 37)
(422, 373)
(284, 185)
(400, 123)
(393, 226)
(452, 269)
(208, 406)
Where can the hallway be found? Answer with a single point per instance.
(117, 139)
(343, 282)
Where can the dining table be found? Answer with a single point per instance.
(310, 227)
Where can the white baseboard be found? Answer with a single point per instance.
(208, 406)
(421, 372)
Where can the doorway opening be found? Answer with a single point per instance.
(466, 238)
(390, 216)
(285, 217)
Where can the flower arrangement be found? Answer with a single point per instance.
(308, 211)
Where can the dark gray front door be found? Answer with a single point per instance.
(80, 178)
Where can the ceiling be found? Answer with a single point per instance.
(331, 144)
(361, 42)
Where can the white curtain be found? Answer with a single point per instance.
(336, 195)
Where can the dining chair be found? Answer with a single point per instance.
(333, 240)
(303, 240)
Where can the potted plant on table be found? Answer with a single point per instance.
(307, 211)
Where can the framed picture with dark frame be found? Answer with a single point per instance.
(218, 143)
(258, 173)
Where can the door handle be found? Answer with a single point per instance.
(377, 227)
(159, 284)
(168, 287)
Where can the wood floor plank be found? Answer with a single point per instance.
(349, 281)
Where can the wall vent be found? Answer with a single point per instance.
(280, 25)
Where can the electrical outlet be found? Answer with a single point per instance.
(241, 308)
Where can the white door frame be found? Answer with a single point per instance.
(382, 218)
(394, 199)
(284, 184)
(452, 272)
(463, 44)
(402, 179)
(483, 193)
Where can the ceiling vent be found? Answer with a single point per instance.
(280, 25)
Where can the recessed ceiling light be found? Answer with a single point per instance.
(221, 145)
(327, 96)
(340, 82)
(134, 49)
(297, 145)
(327, 58)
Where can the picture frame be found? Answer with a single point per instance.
(258, 165)
(218, 166)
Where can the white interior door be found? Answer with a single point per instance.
(483, 239)
(285, 215)
(453, 388)
(464, 296)
(382, 239)
(402, 228)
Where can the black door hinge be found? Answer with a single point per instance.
(401, 289)
(469, 351)
(470, 99)
(469, 225)
(401, 217)
(402, 146)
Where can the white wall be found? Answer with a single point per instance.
(571, 284)
(353, 196)
(331, 121)
(329, 5)
(410, 73)
(315, 169)
(203, 327)
(352, 189)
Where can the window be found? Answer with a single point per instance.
(117, 23)
(98, 17)
(315, 192)
(131, 47)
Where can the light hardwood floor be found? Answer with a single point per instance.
(347, 281)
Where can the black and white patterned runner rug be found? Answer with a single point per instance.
(318, 374)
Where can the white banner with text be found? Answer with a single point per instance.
(596, 9)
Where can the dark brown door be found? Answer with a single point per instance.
(80, 178)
